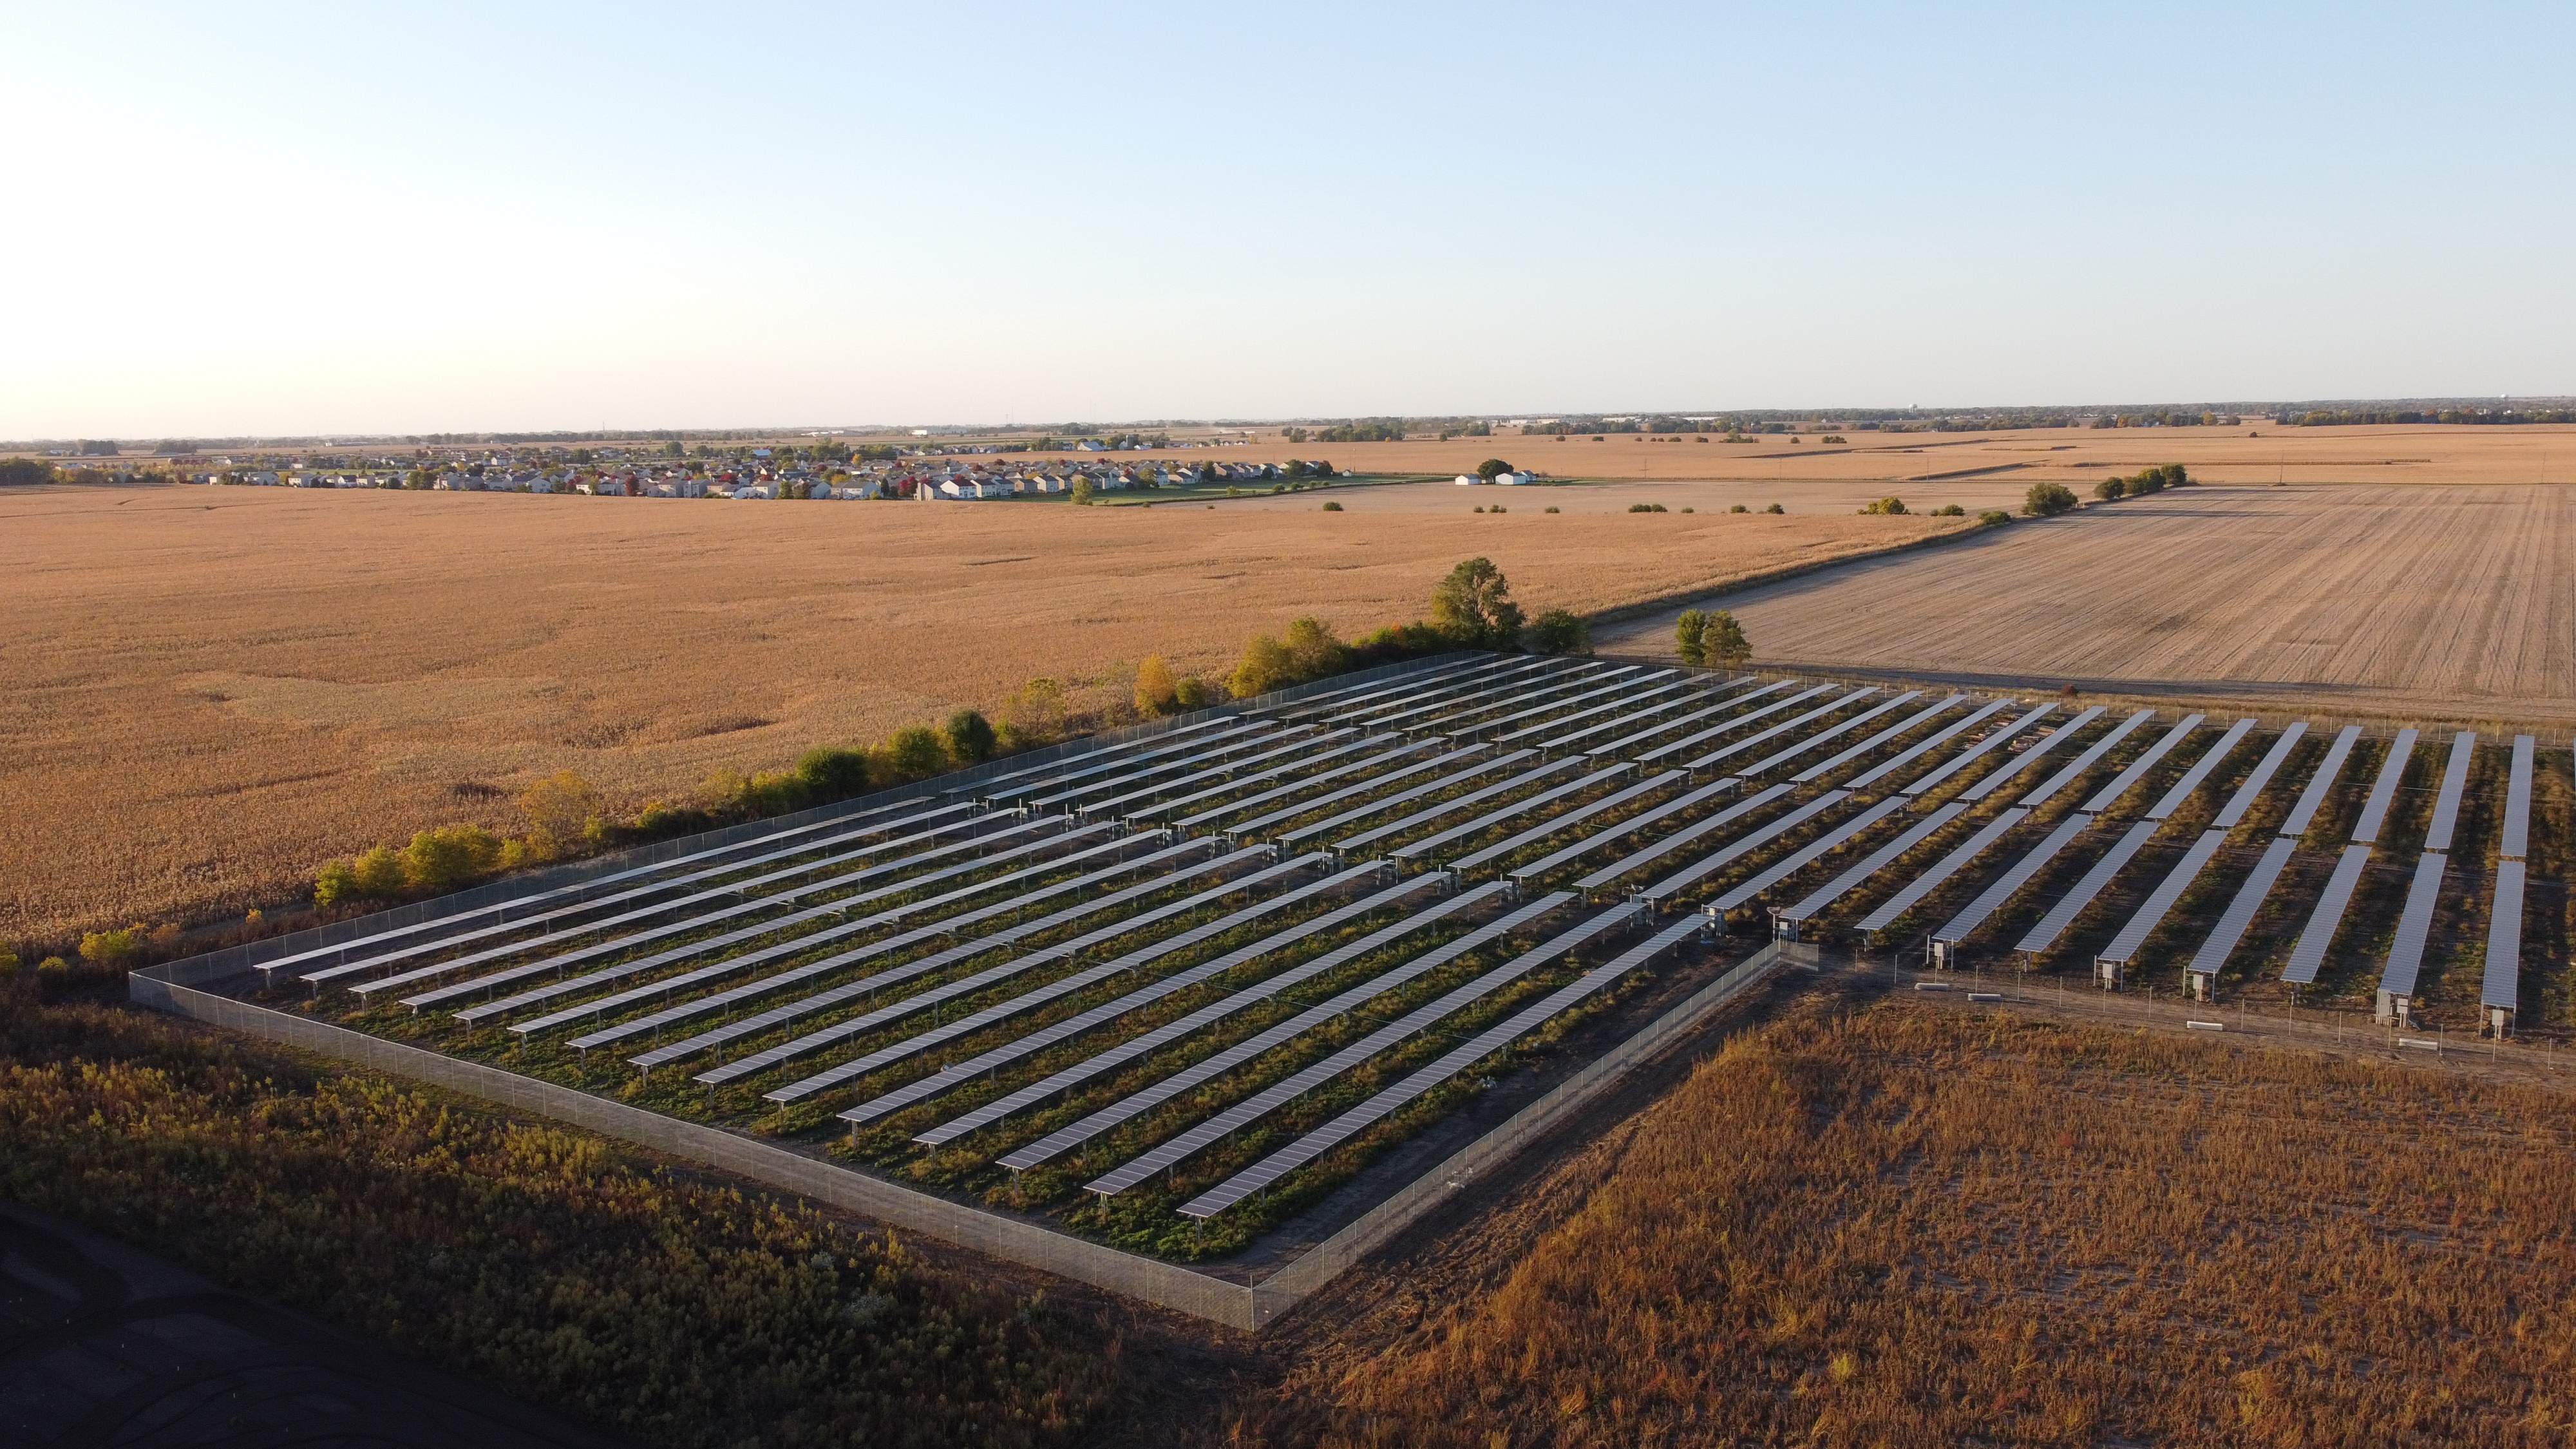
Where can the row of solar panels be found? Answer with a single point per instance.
(1089, 919)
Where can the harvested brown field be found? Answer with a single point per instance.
(1879, 1224)
(2257, 453)
(2426, 603)
(212, 690)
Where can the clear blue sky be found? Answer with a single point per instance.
(275, 218)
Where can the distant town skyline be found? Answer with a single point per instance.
(304, 220)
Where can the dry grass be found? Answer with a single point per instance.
(2256, 454)
(1902, 1227)
(213, 690)
(2431, 603)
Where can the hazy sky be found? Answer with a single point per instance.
(272, 218)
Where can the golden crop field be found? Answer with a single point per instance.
(2005, 461)
(2432, 603)
(1898, 1226)
(212, 690)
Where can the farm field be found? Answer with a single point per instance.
(1930, 1228)
(2257, 453)
(214, 690)
(2425, 603)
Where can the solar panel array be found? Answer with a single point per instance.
(1201, 961)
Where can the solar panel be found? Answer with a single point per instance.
(1067, 1078)
(1619, 684)
(2305, 812)
(2503, 983)
(869, 986)
(2517, 802)
(2455, 778)
(1368, 808)
(2063, 914)
(1991, 742)
(1916, 751)
(1842, 728)
(1306, 749)
(1189, 760)
(1279, 1094)
(2032, 756)
(1181, 738)
(1439, 808)
(2239, 917)
(1135, 1104)
(1733, 850)
(705, 863)
(1674, 747)
(1571, 818)
(1085, 767)
(1305, 762)
(742, 906)
(2120, 785)
(1309, 782)
(821, 1037)
(2011, 881)
(1679, 838)
(1944, 868)
(749, 960)
(1056, 990)
(1554, 727)
(1314, 1144)
(1384, 687)
(1622, 830)
(1782, 728)
(2414, 925)
(957, 1074)
(2075, 767)
(1877, 860)
(2332, 902)
(1476, 685)
(2151, 912)
(1623, 745)
(2199, 770)
(1634, 720)
(1800, 859)
(1555, 691)
(1490, 819)
(2233, 813)
(2374, 811)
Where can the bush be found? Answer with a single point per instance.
(1473, 606)
(969, 737)
(1155, 689)
(1884, 506)
(2047, 500)
(1192, 692)
(1723, 642)
(828, 774)
(1646, 508)
(2111, 489)
(379, 874)
(441, 860)
(1775, 508)
(914, 753)
(1739, 508)
(113, 950)
(334, 884)
(1690, 636)
(1993, 516)
(1552, 508)
(8, 964)
(1313, 650)
(1559, 631)
(1265, 666)
(559, 809)
(1331, 507)
(1949, 510)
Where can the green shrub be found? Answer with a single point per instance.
(1690, 636)
(2111, 489)
(829, 774)
(1889, 505)
(1192, 692)
(1739, 508)
(1949, 510)
(442, 860)
(969, 737)
(1775, 508)
(1559, 631)
(914, 753)
(1993, 516)
(2047, 500)
(1331, 507)
(379, 874)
